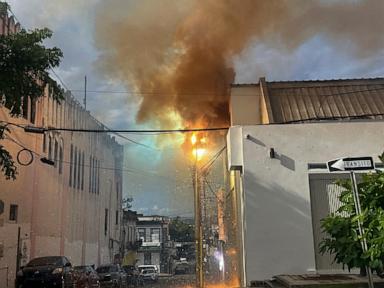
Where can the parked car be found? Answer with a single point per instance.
(182, 267)
(141, 267)
(50, 271)
(112, 275)
(134, 277)
(149, 274)
(86, 277)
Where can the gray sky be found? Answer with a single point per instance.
(160, 181)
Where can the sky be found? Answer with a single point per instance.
(159, 177)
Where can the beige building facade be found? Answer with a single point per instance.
(71, 208)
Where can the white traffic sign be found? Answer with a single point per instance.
(351, 164)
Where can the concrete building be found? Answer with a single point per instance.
(281, 136)
(129, 243)
(72, 208)
(153, 232)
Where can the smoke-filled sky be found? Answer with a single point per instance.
(177, 58)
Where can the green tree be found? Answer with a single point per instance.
(341, 228)
(180, 231)
(24, 66)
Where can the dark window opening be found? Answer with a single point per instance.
(90, 174)
(79, 170)
(75, 168)
(50, 147)
(33, 111)
(117, 217)
(147, 258)
(61, 156)
(44, 142)
(106, 222)
(71, 167)
(25, 107)
(82, 171)
(56, 152)
(98, 177)
(13, 212)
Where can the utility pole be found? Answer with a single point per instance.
(198, 224)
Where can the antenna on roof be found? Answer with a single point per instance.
(85, 92)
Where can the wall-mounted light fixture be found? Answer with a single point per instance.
(272, 153)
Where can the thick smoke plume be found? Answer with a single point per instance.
(177, 54)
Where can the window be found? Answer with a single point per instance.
(147, 258)
(44, 142)
(93, 175)
(141, 232)
(56, 152)
(106, 222)
(50, 147)
(82, 171)
(155, 235)
(90, 173)
(61, 156)
(117, 217)
(75, 169)
(79, 170)
(98, 177)
(33, 111)
(25, 107)
(13, 212)
(71, 166)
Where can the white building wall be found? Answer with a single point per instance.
(277, 210)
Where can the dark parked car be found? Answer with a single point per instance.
(134, 277)
(112, 275)
(86, 277)
(51, 271)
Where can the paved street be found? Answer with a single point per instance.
(177, 281)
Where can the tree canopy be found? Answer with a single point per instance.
(24, 74)
(180, 231)
(341, 228)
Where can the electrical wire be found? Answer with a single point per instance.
(132, 131)
(69, 90)
(210, 162)
(213, 93)
(136, 172)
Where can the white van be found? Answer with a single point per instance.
(142, 267)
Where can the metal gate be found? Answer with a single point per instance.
(324, 195)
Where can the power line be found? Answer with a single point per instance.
(69, 90)
(210, 93)
(40, 130)
(209, 164)
(362, 116)
(136, 172)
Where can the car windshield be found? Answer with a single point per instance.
(106, 269)
(148, 271)
(43, 261)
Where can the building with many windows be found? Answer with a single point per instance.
(153, 233)
(71, 208)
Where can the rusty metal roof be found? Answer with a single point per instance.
(302, 101)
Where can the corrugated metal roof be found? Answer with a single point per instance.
(296, 101)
